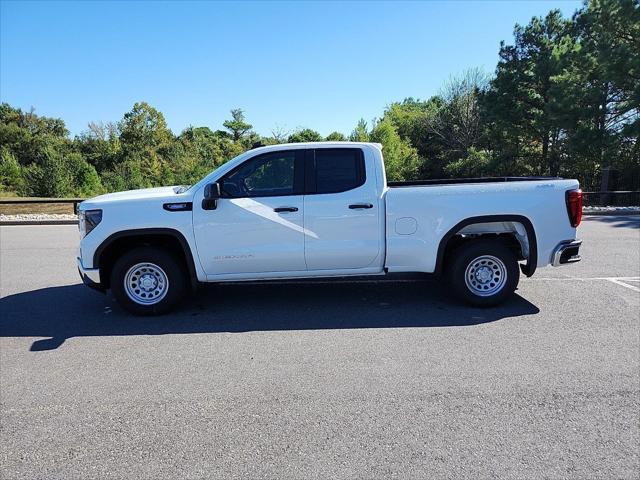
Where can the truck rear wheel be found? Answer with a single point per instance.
(148, 281)
(484, 273)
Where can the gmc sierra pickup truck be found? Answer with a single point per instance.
(324, 210)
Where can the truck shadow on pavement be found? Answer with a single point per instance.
(60, 313)
(618, 221)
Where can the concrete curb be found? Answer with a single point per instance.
(605, 213)
(38, 222)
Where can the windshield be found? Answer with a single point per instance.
(184, 188)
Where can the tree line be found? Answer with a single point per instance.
(564, 100)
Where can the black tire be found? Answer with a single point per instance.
(485, 263)
(161, 265)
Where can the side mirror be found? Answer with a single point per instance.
(211, 196)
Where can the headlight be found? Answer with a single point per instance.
(88, 220)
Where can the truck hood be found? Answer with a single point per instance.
(141, 194)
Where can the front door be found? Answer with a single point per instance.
(258, 224)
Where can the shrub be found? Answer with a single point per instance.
(10, 172)
(60, 176)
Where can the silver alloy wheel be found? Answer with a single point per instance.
(146, 283)
(485, 275)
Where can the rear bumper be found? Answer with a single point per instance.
(90, 276)
(566, 252)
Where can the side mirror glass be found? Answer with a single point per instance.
(211, 196)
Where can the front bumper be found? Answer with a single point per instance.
(90, 276)
(566, 252)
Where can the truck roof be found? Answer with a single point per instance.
(292, 146)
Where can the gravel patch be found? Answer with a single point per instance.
(34, 217)
(611, 210)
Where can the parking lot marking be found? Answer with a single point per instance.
(617, 280)
(630, 287)
(626, 279)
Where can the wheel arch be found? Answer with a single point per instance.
(116, 244)
(528, 269)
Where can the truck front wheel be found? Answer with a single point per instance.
(148, 281)
(484, 273)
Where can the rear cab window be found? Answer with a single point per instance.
(334, 170)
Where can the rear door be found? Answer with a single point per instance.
(341, 210)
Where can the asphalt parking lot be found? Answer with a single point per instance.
(322, 379)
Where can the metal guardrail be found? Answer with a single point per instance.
(25, 201)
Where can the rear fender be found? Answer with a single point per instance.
(519, 225)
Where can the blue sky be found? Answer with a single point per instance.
(287, 64)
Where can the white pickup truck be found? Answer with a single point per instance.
(324, 210)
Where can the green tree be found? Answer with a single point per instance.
(526, 97)
(305, 135)
(34, 124)
(197, 151)
(10, 172)
(27, 135)
(145, 140)
(100, 145)
(605, 99)
(444, 127)
(144, 127)
(279, 134)
(84, 180)
(61, 176)
(336, 137)
(401, 159)
(457, 120)
(361, 132)
(49, 177)
(477, 163)
(412, 119)
(237, 125)
(125, 176)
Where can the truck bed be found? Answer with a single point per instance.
(540, 201)
(454, 181)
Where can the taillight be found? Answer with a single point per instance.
(574, 206)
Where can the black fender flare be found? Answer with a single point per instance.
(188, 255)
(528, 269)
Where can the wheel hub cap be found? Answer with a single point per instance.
(146, 283)
(485, 275)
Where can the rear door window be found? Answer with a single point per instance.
(338, 170)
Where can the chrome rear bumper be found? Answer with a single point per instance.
(566, 252)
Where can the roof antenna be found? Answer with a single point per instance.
(258, 144)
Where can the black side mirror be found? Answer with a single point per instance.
(211, 196)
